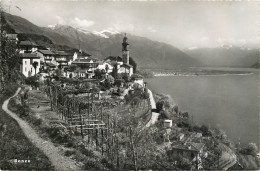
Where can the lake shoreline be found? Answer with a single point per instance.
(185, 91)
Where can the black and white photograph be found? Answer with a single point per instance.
(129, 85)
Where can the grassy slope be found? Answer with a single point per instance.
(14, 144)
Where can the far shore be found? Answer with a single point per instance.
(164, 74)
(200, 71)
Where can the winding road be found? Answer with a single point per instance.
(155, 115)
(59, 161)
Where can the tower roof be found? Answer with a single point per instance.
(125, 40)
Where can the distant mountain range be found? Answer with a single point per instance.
(147, 53)
(232, 56)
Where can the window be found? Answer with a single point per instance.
(192, 155)
(25, 62)
(25, 69)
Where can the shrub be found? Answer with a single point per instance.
(69, 152)
(38, 122)
(251, 149)
(106, 164)
(92, 164)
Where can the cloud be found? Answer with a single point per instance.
(192, 48)
(51, 26)
(82, 23)
(75, 22)
(124, 27)
(151, 29)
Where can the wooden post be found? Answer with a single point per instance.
(102, 141)
(81, 127)
(117, 148)
(88, 105)
(96, 138)
(101, 112)
(133, 149)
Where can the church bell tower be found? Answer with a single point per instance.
(125, 51)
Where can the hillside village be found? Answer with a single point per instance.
(102, 115)
(40, 61)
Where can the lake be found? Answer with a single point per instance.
(226, 101)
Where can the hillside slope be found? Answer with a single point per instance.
(147, 53)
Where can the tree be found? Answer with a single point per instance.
(9, 60)
(185, 164)
(133, 63)
(146, 94)
(251, 149)
(114, 71)
(118, 82)
(98, 73)
(35, 64)
(109, 81)
(136, 76)
(125, 77)
(106, 67)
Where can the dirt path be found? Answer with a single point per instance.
(59, 161)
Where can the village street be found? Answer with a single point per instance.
(59, 161)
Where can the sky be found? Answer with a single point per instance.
(185, 24)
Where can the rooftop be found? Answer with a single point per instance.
(61, 53)
(127, 65)
(84, 60)
(189, 146)
(27, 43)
(114, 58)
(28, 55)
(46, 52)
(11, 36)
(50, 65)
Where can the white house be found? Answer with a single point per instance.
(85, 66)
(12, 37)
(106, 66)
(27, 64)
(126, 68)
(46, 56)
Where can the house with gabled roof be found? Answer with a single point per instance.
(12, 37)
(28, 60)
(46, 56)
(85, 66)
(105, 66)
(191, 151)
(27, 46)
(126, 68)
(61, 58)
